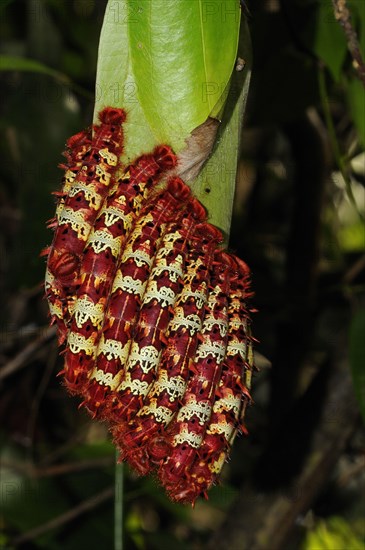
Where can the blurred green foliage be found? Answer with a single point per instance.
(335, 533)
(48, 94)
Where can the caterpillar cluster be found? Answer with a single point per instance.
(152, 312)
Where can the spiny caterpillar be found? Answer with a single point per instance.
(138, 438)
(89, 172)
(152, 312)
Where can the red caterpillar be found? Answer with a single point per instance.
(160, 295)
(164, 397)
(187, 432)
(156, 321)
(77, 147)
(85, 197)
(231, 399)
(99, 263)
(126, 297)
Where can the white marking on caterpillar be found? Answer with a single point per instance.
(55, 310)
(100, 240)
(174, 386)
(218, 464)
(140, 257)
(89, 191)
(112, 349)
(201, 409)
(85, 310)
(78, 343)
(77, 222)
(161, 414)
(128, 284)
(107, 378)
(165, 296)
(113, 214)
(222, 429)
(200, 297)
(103, 175)
(229, 403)
(191, 322)
(237, 347)
(236, 323)
(136, 386)
(168, 243)
(193, 439)
(147, 357)
(210, 322)
(111, 158)
(175, 271)
(217, 349)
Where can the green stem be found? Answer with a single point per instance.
(339, 159)
(118, 506)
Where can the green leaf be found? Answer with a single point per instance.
(333, 534)
(357, 357)
(352, 237)
(215, 185)
(115, 83)
(356, 100)
(168, 64)
(183, 54)
(24, 64)
(329, 41)
(12, 63)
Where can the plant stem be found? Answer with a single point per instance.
(118, 506)
(343, 16)
(333, 138)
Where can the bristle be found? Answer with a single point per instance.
(111, 115)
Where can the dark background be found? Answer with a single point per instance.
(297, 480)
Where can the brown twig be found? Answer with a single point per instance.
(75, 439)
(355, 470)
(343, 16)
(52, 353)
(354, 270)
(62, 519)
(20, 360)
(57, 469)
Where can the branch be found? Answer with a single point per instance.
(58, 469)
(343, 16)
(20, 360)
(62, 519)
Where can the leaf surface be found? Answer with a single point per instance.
(168, 64)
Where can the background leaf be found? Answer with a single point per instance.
(334, 533)
(356, 100)
(12, 63)
(329, 40)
